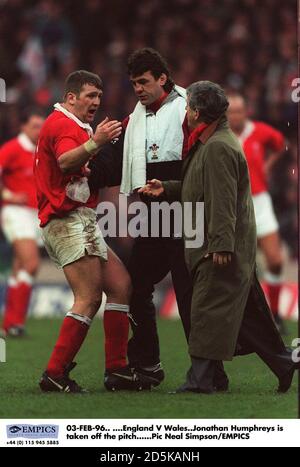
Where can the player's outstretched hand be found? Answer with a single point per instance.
(106, 131)
(154, 188)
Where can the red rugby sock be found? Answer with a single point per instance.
(10, 303)
(71, 337)
(116, 329)
(23, 293)
(274, 294)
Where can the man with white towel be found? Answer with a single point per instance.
(154, 145)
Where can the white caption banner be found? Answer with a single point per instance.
(151, 433)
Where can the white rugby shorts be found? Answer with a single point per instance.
(266, 222)
(70, 238)
(20, 223)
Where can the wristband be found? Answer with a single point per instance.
(6, 195)
(91, 147)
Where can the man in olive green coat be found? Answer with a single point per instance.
(230, 315)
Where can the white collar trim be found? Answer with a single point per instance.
(248, 129)
(26, 143)
(68, 114)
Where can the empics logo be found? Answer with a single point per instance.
(32, 431)
(2, 90)
(2, 350)
(14, 429)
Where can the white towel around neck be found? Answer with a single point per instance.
(134, 153)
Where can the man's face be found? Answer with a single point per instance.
(86, 104)
(33, 127)
(147, 88)
(237, 113)
(192, 116)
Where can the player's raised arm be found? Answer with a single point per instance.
(74, 159)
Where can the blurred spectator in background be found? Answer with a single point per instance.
(19, 220)
(263, 145)
(240, 44)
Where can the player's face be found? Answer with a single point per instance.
(147, 88)
(86, 104)
(237, 113)
(33, 127)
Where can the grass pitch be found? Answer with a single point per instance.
(252, 388)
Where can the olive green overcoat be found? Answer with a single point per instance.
(216, 173)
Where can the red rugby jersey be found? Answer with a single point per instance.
(257, 139)
(16, 168)
(58, 135)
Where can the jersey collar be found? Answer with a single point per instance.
(248, 129)
(68, 114)
(26, 143)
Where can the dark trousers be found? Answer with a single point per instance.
(258, 334)
(151, 260)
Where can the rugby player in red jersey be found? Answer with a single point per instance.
(262, 145)
(19, 220)
(73, 238)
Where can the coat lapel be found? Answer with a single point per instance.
(207, 133)
(189, 158)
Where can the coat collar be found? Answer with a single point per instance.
(221, 122)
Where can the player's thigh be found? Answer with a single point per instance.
(26, 253)
(116, 279)
(85, 278)
(16, 266)
(272, 248)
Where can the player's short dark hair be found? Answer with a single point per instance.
(208, 98)
(76, 80)
(26, 114)
(234, 94)
(148, 59)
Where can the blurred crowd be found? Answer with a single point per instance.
(245, 45)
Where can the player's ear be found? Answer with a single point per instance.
(162, 79)
(71, 98)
